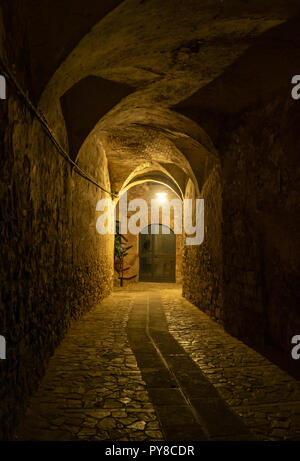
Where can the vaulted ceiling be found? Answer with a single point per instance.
(143, 75)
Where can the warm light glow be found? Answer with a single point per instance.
(161, 196)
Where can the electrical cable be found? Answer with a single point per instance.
(42, 119)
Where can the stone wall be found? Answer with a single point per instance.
(251, 118)
(202, 264)
(261, 213)
(92, 252)
(50, 251)
(245, 273)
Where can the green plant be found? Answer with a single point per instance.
(120, 252)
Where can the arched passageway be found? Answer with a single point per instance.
(132, 99)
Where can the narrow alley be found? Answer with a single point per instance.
(149, 220)
(164, 372)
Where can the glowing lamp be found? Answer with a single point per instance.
(161, 196)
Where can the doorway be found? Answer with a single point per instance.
(157, 254)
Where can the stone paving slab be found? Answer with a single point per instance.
(104, 383)
(267, 398)
(186, 416)
(93, 388)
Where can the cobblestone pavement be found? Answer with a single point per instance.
(93, 388)
(265, 397)
(145, 364)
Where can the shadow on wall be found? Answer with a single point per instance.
(262, 73)
(48, 39)
(93, 97)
